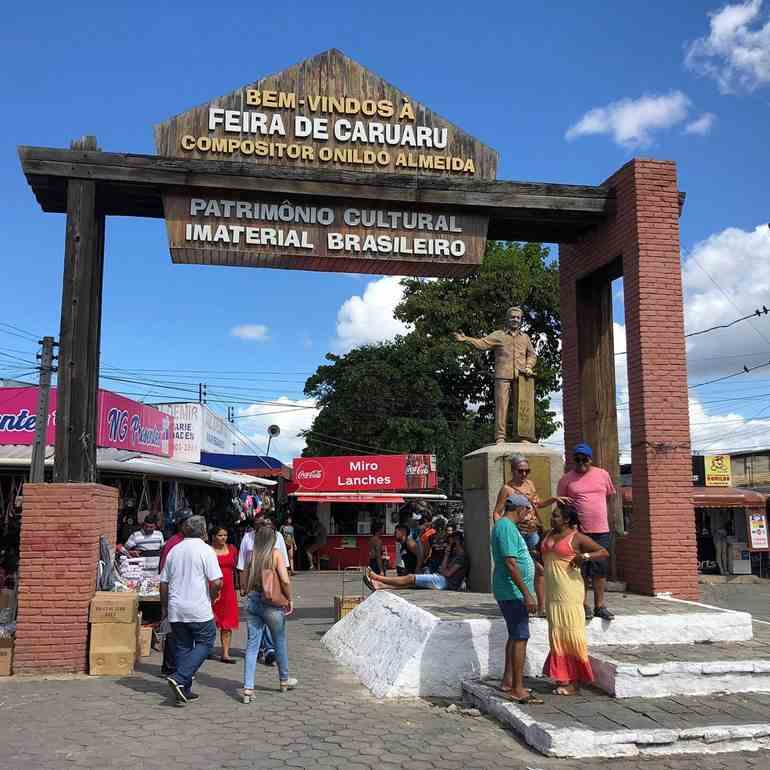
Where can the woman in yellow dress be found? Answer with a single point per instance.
(564, 550)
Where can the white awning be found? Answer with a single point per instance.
(121, 461)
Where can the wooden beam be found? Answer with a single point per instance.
(80, 333)
(132, 185)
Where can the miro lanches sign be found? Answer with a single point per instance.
(326, 112)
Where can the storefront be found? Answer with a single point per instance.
(349, 497)
(731, 530)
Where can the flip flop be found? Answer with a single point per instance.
(562, 692)
(228, 660)
(530, 700)
(368, 582)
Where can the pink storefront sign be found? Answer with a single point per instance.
(122, 423)
(126, 424)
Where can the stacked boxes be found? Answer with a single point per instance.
(114, 628)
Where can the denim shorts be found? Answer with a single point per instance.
(436, 582)
(599, 568)
(516, 618)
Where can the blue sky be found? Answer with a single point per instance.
(518, 76)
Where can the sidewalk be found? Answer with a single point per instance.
(330, 721)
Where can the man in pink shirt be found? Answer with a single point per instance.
(588, 488)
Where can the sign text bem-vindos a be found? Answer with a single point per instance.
(327, 112)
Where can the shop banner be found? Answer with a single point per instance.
(758, 539)
(365, 473)
(717, 470)
(126, 424)
(122, 423)
(197, 429)
(18, 416)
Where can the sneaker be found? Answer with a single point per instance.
(178, 690)
(191, 696)
(603, 613)
(589, 614)
(289, 684)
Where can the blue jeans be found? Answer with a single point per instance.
(260, 616)
(193, 643)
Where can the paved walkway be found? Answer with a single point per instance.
(331, 721)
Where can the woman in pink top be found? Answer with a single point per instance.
(588, 488)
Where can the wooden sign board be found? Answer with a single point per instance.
(315, 234)
(326, 112)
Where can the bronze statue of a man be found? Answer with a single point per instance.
(515, 360)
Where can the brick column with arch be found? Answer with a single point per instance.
(640, 240)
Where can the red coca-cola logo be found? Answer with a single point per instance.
(310, 474)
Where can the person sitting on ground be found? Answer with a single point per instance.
(375, 551)
(426, 534)
(450, 576)
(411, 551)
(147, 543)
(565, 551)
(439, 545)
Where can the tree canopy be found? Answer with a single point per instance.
(424, 392)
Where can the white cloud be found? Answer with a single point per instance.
(702, 125)
(368, 318)
(284, 413)
(631, 122)
(252, 332)
(726, 276)
(736, 52)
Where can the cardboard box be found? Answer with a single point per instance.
(112, 649)
(114, 607)
(143, 641)
(6, 656)
(120, 663)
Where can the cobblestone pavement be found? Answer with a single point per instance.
(748, 597)
(755, 649)
(330, 721)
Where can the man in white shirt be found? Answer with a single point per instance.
(147, 543)
(190, 582)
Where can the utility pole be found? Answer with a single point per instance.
(202, 395)
(37, 466)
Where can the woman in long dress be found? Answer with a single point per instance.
(226, 606)
(564, 550)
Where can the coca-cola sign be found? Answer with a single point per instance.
(365, 473)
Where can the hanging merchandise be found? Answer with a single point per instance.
(157, 504)
(131, 493)
(144, 501)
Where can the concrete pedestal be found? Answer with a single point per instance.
(484, 472)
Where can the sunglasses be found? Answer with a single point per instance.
(525, 471)
(581, 458)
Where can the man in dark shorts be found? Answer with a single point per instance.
(587, 488)
(513, 585)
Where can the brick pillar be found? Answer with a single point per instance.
(659, 552)
(61, 525)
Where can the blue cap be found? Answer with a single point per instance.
(583, 449)
(516, 501)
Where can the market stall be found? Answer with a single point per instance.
(346, 498)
